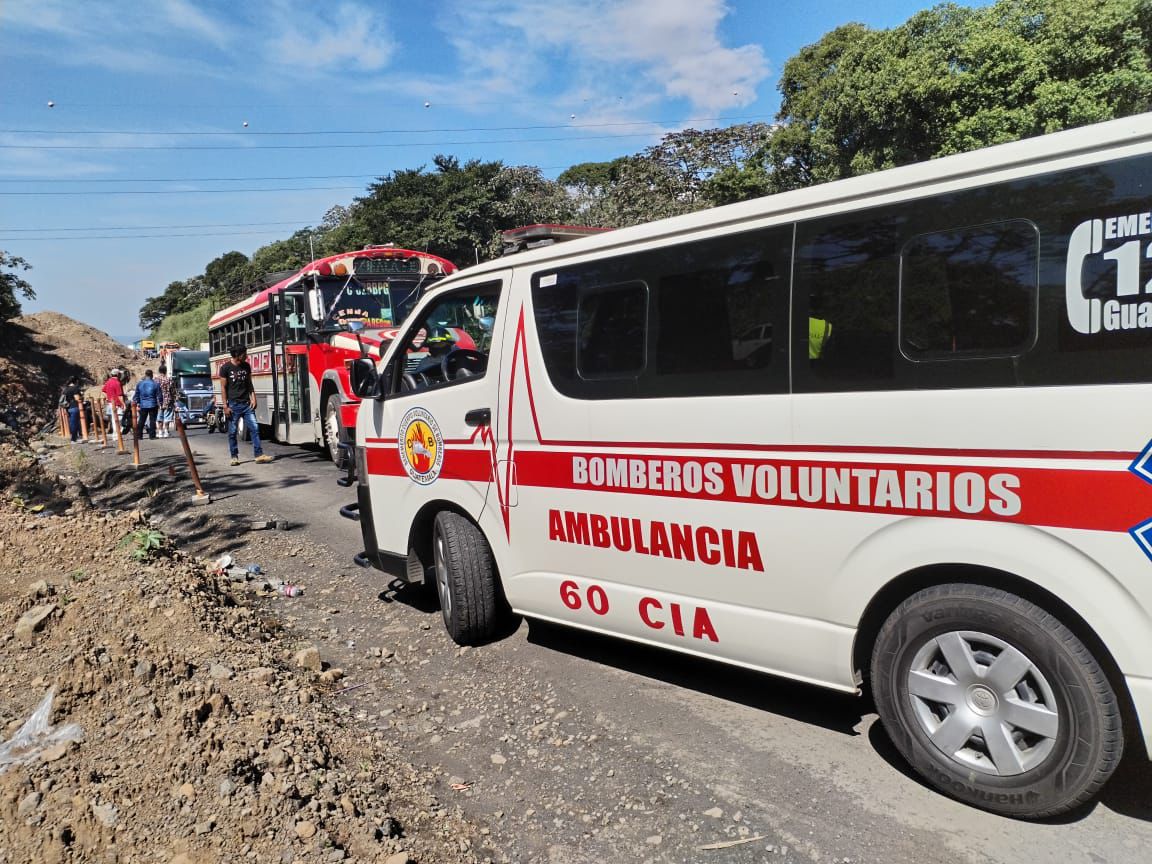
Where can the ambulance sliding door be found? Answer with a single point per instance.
(678, 355)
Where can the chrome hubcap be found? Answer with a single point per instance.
(983, 703)
(441, 567)
(332, 427)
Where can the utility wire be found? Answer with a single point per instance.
(189, 191)
(183, 179)
(236, 149)
(160, 227)
(134, 236)
(213, 179)
(430, 131)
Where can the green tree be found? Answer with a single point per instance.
(189, 327)
(12, 285)
(684, 172)
(952, 79)
(456, 210)
(280, 256)
(225, 276)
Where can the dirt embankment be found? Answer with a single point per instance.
(208, 734)
(39, 353)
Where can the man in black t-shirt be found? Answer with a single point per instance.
(240, 403)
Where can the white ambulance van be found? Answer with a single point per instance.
(889, 433)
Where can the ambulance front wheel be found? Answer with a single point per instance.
(467, 583)
(996, 702)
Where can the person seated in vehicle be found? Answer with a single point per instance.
(437, 343)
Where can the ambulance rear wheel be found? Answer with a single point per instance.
(466, 580)
(995, 702)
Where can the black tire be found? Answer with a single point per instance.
(243, 433)
(331, 435)
(1039, 765)
(471, 602)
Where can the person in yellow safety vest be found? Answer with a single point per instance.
(818, 332)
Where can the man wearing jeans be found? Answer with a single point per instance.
(240, 403)
(147, 396)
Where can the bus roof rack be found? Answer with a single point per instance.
(534, 236)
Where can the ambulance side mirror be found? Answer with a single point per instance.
(364, 378)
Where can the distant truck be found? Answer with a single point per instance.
(147, 347)
(193, 376)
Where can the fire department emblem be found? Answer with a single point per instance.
(421, 446)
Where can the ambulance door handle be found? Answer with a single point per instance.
(479, 417)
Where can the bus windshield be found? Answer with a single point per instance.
(378, 303)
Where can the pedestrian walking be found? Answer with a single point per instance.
(71, 399)
(147, 396)
(240, 403)
(167, 402)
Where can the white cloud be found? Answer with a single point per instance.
(347, 36)
(184, 16)
(122, 35)
(619, 48)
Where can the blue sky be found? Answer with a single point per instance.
(549, 84)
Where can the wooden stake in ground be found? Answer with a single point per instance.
(135, 435)
(61, 422)
(83, 419)
(98, 413)
(201, 497)
(116, 428)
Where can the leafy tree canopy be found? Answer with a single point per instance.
(189, 328)
(13, 285)
(952, 79)
(225, 276)
(669, 178)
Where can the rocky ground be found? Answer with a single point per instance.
(209, 733)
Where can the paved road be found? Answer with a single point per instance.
(578, 748)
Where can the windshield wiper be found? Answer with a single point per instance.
(336, 299)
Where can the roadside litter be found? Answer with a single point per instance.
(36, 736)
(225, 566)
(285, 588)
(267, 524)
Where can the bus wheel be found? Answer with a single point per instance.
(466, 580)
(995, 702)
(243, 433)
(332, 427)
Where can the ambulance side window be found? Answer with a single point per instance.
(701, 318)
(612, 324)
(448, 343)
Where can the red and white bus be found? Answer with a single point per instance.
(298, 335)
